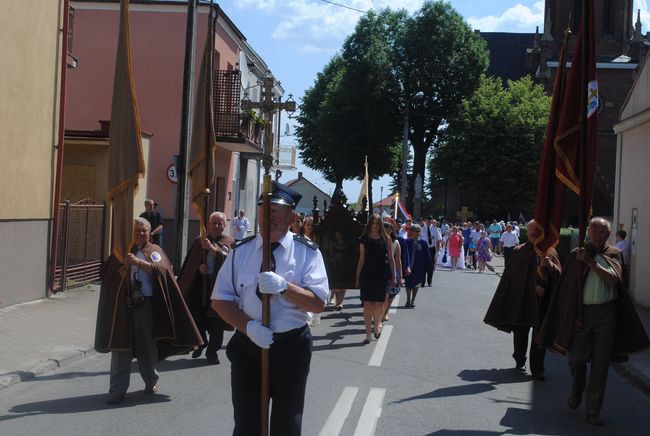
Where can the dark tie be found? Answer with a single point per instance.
(429, 235)
(274, 245)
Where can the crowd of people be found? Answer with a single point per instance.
(148, 313)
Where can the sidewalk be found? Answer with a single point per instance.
(40, 336)
(43, 335)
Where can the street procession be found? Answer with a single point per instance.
(315, 217)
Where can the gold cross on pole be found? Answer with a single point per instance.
(464, 213)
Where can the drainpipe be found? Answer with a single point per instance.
(59, 147)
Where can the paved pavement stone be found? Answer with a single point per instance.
(40, 336)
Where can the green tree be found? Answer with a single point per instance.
(352, 110)
(492, 147)
(442, 57)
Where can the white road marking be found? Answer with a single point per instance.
(340, 412)
(393, 306)
(371, 412)
(380, 348)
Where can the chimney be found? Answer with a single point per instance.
(299, 175)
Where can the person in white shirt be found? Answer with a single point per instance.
(298, 286)
(515, 228)
(431, 235)
(240, 226)
(508, 241)
(622, 245)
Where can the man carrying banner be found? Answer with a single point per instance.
(298, 284)
(196, 280)
(522, 297)
(591, 317)
(142, 314)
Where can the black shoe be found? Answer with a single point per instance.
(115, 398)
(151, 388)
(519, 364)
(594, 420)
(212, 358)
(366, 341)
(408, 304)
(574, 399)
(197, 353)
(412, 305)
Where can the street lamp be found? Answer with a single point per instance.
(381, 199)
(405, 141)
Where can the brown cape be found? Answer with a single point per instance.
(565, 308)
(190, 280)
(515, 302)
(173, 326)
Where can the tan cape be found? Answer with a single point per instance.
(173, 326)
(565, 309)
(515, 302)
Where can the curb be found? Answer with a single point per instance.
(41, 368)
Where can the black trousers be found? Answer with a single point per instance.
(289, 360)
(520, 342)
(429, 275)
(506, 253)
(593, 343)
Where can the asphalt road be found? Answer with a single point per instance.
(437, 369)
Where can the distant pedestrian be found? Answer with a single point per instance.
(240, 226)
(154, 217)
(419, 262)
(455, 246)
(494, 233)
(622, 245)
(483, 251)
(375, 273)
(431, 235)
(508, 241)
(396, 252)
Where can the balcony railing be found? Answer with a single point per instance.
(229, 122)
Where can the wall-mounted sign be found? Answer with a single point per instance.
(172, 175)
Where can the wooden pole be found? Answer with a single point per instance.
(584, 55)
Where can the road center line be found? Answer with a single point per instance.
(370, 413)
(380, 348)
(394, 304)
(340, 412)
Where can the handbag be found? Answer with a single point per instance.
(444, 256)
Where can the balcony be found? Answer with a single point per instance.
(234, 131)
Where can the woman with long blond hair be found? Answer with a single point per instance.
(375, 273)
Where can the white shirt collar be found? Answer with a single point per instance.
(285, 241)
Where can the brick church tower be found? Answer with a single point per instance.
(620, 50)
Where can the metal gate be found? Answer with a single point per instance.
(80, 245)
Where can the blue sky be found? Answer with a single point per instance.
(297, 38)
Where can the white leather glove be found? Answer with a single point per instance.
(260, 335)
(271, 283)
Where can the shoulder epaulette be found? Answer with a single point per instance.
(301, 239)
(243, 241)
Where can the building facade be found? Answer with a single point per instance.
(157, 49)
(632, 200)
(29, 110)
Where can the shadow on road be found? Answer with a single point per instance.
(82, 404)
(463, 432)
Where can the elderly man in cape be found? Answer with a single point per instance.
(196, 280)
(591, 318)
(141, 313)
(522, 297)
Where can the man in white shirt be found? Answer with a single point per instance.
(239, 226)
(298, 285)
(508, 241)
(431, 235)
(622, 245)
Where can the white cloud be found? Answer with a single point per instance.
(311, 48)
(516, 18)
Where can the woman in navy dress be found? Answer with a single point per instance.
(419, 263)
(374, 273)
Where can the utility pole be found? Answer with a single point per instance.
(268, 107)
